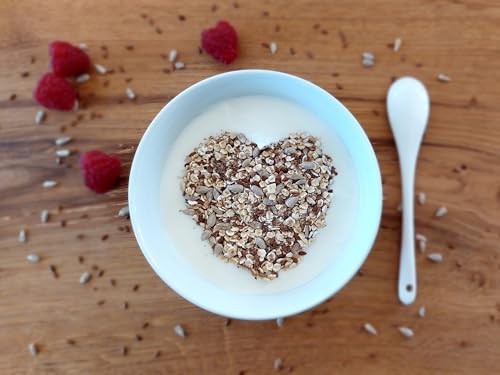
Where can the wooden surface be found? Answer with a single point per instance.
(458, 167)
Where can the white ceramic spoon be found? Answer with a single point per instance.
(408, 110)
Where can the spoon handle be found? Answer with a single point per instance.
(407, 284)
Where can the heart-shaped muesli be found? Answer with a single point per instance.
(259, 208)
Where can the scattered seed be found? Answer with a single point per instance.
(112, 282)
(44, 216)
(61, 141)
(22, 236)
(422, 198)
(33, 349)
(129, 47)
(368, 327)
(135, 287)
(158, 354)
(54, 272)
(104, 237)
(62, 223)
(85, 277)
(124, 351)
(421, 312)
(101, 302)
(420, 237)
(179, 65)
(181, 17)
(443, 77)
(435, 257)
(273, 47)
(130, 93)
(125, 305)
(368, 63)
(101, 273)
(124, 212)
(227, 322)
(406, 332)
(63, 153)
(33, 258)
(138, 337)
(397, 44)
(291, 201)
(278, 364)
(422, 246)
(172, 55)
(280, 322)
(145, 325)
(83, 46)
(40, 116)
(81, 259)
(82, 78)
(179, 331)
(70, 342)
(100, 69)
(441, 211)
(49, 184)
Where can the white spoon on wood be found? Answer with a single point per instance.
(408, 108)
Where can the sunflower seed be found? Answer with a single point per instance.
(420, 237)
(256, 190)
(236, 188)
(246, 162)
(368, 56)
(422, 245)
(83, 46)
(82, 78)
(85, 277)
(39, 117)
(308, 165)
(221, 226)
(255, 152)
(290, 150)
(49, 184)
(44, 216)
(203, 189)
(188, 211)
(290, 202)
(421, 312)
(32, 258)
(367, 63)
(280, 322)
(278, 364)
(260, 243)
(218, 249)
(172, 55)
(179, 65)
(124, 212)
(130, 93)
(397, 44)
(441, 211)
(179, 331)
(273, 47)
(100, 69)
(406, 332)
(22, 237)
(61, 141)
(422, 198)
(64, 153)
(206, 235)
(211, 220)
(443, 77)
(33, 349)
(435, 257)
(368, 327)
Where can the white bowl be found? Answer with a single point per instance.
(348, 241)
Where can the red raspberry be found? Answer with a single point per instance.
(221, 42)
(100, 172)
(68, 60)
(54, 92)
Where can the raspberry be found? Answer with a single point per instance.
(100, 172)
(221, 42)
(67, 60)
(54, 92)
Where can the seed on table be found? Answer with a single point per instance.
(123, 212)
(421, 197)
(130, 93)
(125, 305)
(158, 354)
(227, 322)
(145, 325)
(435, 257)
(135, 288)
(70, 342)
(64, 153)
(40, 117)
(22, 236)
(138, 337)
(397, 44)
(280, 322)
(420, 237)
(124, 351)
(278, 364)
(32, 258)
(61, 141)
(53, 270)
(47, 184)
(441, 211)
(101, 302)
(85, 277)
(422, 245)
(82, 78)
(179, 331)
(368, 56)
(172, 55)
(33, 349)
(83, 46)
(100, 69)
(112, 282)
(273, 47)
(406, 332)
(179, 65)
(443, 77)
(368, 327)
(421, 312)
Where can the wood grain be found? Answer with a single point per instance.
(458, 167)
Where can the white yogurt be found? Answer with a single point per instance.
(264, 120)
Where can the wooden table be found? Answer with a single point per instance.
(322, 41)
